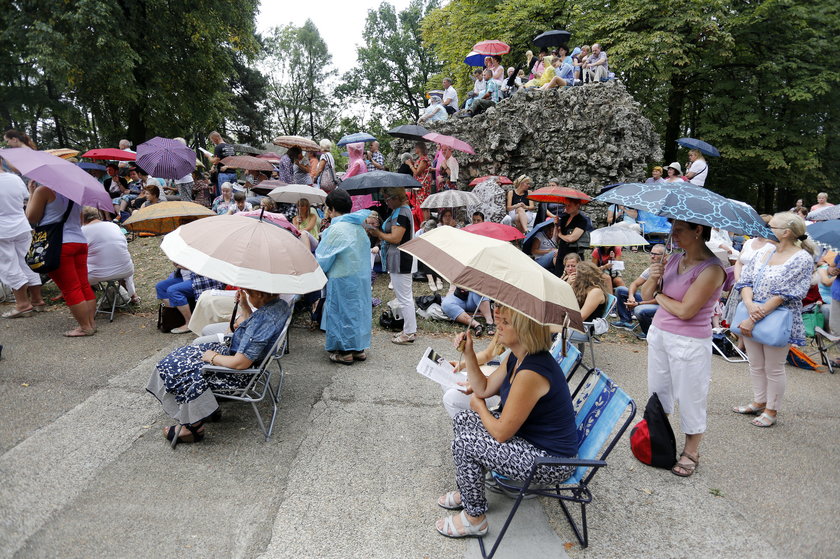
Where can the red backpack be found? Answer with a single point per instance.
(652, 440)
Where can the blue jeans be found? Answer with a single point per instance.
(621, 294)
(176, 290)
(546, 260)
(454, 306)
(644, 314)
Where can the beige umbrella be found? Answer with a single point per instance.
(499, 271)
(164, 217)
(291, 193)
(248, 163)
(297, 141)
(245, 252)
(64, 153)
(450, 199)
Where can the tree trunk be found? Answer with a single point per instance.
(676, 104)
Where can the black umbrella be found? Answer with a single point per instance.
(552, 38)
(368, 183)
(409, 132)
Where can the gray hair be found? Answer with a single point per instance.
(405, 157)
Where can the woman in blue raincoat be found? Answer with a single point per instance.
(344, 255)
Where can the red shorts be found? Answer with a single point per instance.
(72, 276)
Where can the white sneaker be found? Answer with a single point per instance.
(181, 330)
(439, 284)
(390, 285)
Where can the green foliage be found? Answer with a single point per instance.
(394, 66)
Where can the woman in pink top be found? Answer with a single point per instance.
(680, 338)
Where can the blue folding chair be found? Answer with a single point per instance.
(589, 336)
(600, 407)
(568, 363)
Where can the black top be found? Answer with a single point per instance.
(405, 169)
(403, 266)
(221, 151)
(517, 198)
(567, 225)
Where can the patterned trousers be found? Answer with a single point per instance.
(475, 450)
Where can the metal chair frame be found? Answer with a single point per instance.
(591, 338)
(825, 342)
(111, 287)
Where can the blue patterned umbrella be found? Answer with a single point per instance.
(825, 214)
(705, 149)
(356, 137)
(691, 203)
(826, 234)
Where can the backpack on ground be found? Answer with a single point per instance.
(652, 440)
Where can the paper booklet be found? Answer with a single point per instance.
(440, 370)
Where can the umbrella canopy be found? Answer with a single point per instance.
(270, 156)
(63, 153)
(474, 59)
(450, 141)
(87, 166)
(244, 148)
(165, 158)
(705, 149)
(499, 271)
(110, 154)
(825, 214)
(367, 183)
(450, 199)
(552, 38)
(60, 175)
(491, 48)
(296, 142)
(356, 137)
(826, 234)
(499, 178)
(496, 231)
(245, 253)
(609, 187)
(291, 193)
(409, 132)
(526, 243)
(278, 220)
(164, 217)
(248, 163)
(691, 203)
(267, 186)
(616, 236)
(559, 195)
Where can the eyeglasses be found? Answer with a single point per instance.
(779, 228)
(652, 254)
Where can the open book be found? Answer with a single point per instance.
(440, 370)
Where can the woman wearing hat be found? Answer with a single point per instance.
(674, 171)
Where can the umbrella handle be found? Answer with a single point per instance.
(233, 316)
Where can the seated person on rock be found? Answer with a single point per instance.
(564, 72)
(642, 310)
(459, 305)
(435, 111)
(547, 75)
(537, 420)
(185, 391)
(489, 98)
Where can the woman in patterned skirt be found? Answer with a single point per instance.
(536, 420)
(421, 168)
(186, 393)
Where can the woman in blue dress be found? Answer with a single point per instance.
(186, 393)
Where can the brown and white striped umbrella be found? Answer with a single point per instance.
(499, 271)
(248, 163)
(245, 252)
(296, 142)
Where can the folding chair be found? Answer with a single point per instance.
(260, 383)
(825, 343)
(589, 335)
(110, 290)
(718, 347)
(571, 361)
(599, 406)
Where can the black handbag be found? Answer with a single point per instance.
(169, 318)
(44, 254)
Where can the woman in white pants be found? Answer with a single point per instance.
(774, 279)
(15, 239)
(396, 230)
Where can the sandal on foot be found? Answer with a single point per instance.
(764, 420)
(491, 330)
(449, 502)
(343, 359)
(359, 356)
(18, 314)
(748, 409)
(688, 469)
(40, 308)
(478, 330)
(79, 333)
(469, 530)
(194, 434)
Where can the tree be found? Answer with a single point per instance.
(298, 62)
(394, 65)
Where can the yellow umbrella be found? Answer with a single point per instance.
(164, 217)
(63, 153)
(499, 271)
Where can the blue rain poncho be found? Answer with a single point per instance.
(344, 255)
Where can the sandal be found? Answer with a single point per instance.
(491, 330)
(764, 420)
(688, 469)
(18, 314)
(748, 409)
(478, 330)
(469, 529)
(195, 433)
(343, 359)
(40, 308)
(359, 356)
(79, 333)
(448, 501)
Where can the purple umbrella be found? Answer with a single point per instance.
(60, 175)
(165, 158)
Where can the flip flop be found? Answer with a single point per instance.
(18, 314)
(76, 334)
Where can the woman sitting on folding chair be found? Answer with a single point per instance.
(186, 392)
(536, 420)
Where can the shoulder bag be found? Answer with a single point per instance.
(44, 255)
(774, 329)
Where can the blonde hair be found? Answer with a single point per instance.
(796, 225)
(533, 336)
(698, 153)
(397, 192)
(520, 179)
(587, 277)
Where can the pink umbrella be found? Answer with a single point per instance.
(450, 141)
(270, 156)
(491, 48)
(495, 231)
(60, 175)
(279, 220)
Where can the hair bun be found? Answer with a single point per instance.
(802, 237)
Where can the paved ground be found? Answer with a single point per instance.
(359, 455)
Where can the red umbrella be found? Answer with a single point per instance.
(111, 154)
(495, 231)
(559, 195)
(499, 178)
(450, 141)
(491, 48)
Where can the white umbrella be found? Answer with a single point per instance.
(291, 193)
(450, 199)
(616, 236)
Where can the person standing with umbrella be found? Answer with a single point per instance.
(398, 229)
(686, 288)
(421, 168)
(698, 170)
(344, 256)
